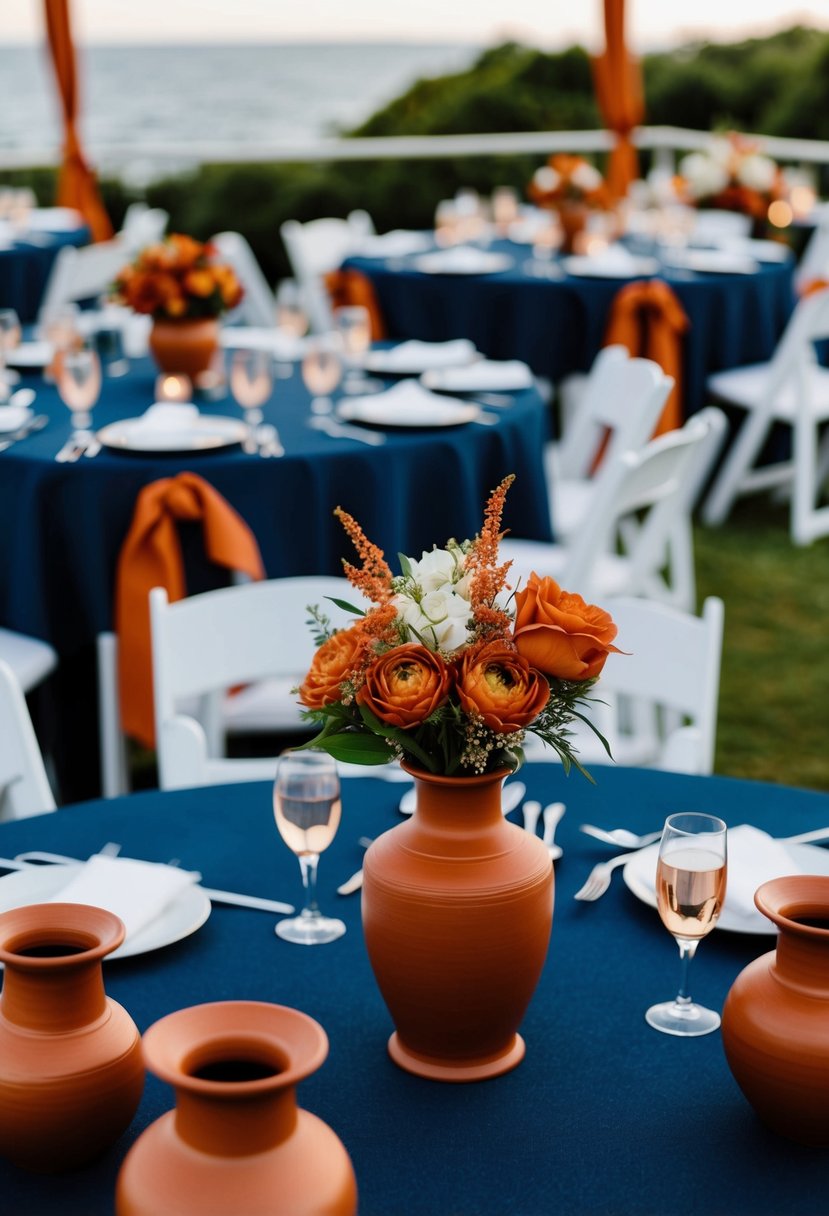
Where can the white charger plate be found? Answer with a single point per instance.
(203, 434)
(187, 912)
(640, 877)
(374, 411)
(485, 263)
(30, 354)
(585, 267)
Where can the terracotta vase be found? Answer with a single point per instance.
(457, 912)
(184, 347)
(775, 1023)
(573, 218)
(236, 1141)
(71, 1073)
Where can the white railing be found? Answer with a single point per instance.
(664, 141)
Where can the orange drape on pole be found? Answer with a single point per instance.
(649, 320)
(76, 184)
(617, 79)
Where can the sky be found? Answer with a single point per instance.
(549, 23)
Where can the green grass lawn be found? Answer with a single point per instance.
(774, 689)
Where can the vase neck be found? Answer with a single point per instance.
(52, 1001)
(803, 961)
(225, 1126)
(451, 806)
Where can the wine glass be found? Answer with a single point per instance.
(79, 386)
(10, 335)
(59, 326)
(322, 369)
(291, 317)
(251, 382)
(690, 890)
(353, 324)
(306, 804)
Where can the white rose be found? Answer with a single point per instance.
(757, 172)
(435, 570)
(720, 150)
(547, 179)
(586, 178)
(703, 175)
(440, 619)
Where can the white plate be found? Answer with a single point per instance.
(375, 411)
(481, 262)
(609, 268)
(204, 434)
(184, 916)
(640, 873)
(30, 354)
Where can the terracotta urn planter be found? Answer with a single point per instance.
(71, 1072)
(775, 1023)
(236, 1141)
(457, 913)
(184, 347)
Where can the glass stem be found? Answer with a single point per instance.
(308, 863)
(687, 950)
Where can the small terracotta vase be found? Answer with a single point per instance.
(236, 1141)
(775, 1023)
(184, 347)
(573, 218)
(71, 1072)
(457, 912)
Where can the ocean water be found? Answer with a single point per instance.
(244, 95)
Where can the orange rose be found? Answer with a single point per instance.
(333, 663)
(199, 282)
(498, 685)
(405, 685)
(559, 633)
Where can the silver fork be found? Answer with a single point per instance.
(620, 836)
(598, 880)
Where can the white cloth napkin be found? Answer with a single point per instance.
(407, 403)
(415, 356)
(754, 857)
(12, 417)
(462, 259)
(508, 375)
(251, 337)
(713, 261)
(137, 891)
(167, 416)
(398, 243)
(615, 260)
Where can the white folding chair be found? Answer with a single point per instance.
(316, 248)
(659, 482)
(142, 226)
(30, 659)
(814, 263)
(82, 274)
(258, 304)
(207, 644)
(793, 389)
(657, 703)
(24, 787)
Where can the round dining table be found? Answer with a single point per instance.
(604, 1115)
(64, 523)
(556, 321)
(26, 258)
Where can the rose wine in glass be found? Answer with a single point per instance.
(307, 807)
(322, 369)
(251, 382)
(79, 386)
(690, 890)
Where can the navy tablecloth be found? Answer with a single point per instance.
(25, 267)
(604, 1116)
(558, 325)
(64, 524)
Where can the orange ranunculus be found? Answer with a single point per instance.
(405, 685)
(200, 282)
(500, 686)
(187, 251)
(559, 633)
(335, 661)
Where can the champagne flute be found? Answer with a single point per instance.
(690, 890)
(251, 382)
(353, 324)
(79, 386)
(306, 804)
(322, 369)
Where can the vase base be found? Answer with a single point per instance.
(445, 1070)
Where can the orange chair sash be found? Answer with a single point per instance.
(349, 287)
(617, 82)
(151, 557)
(649, 320)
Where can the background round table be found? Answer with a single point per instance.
(557, 325)
(26, 264)
(599, 1116)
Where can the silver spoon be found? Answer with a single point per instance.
(620, 837)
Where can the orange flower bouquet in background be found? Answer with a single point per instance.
(178, 278)
(448, 669)
(732, 174)
(568, 179)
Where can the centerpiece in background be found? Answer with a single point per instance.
(448, 672)
(185, 291)
(571, 187)
(732, 175)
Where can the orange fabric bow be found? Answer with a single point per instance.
(349, 287)
(649, 320)
(151, 557)
(617, 81)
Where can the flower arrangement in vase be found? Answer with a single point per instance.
(571, 187)
(447, 672)
(732, 174)
(185, 290)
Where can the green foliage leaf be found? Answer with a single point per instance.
(352, 747)
(346, 607)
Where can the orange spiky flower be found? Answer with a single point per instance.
(374, 579)
(487, 577)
